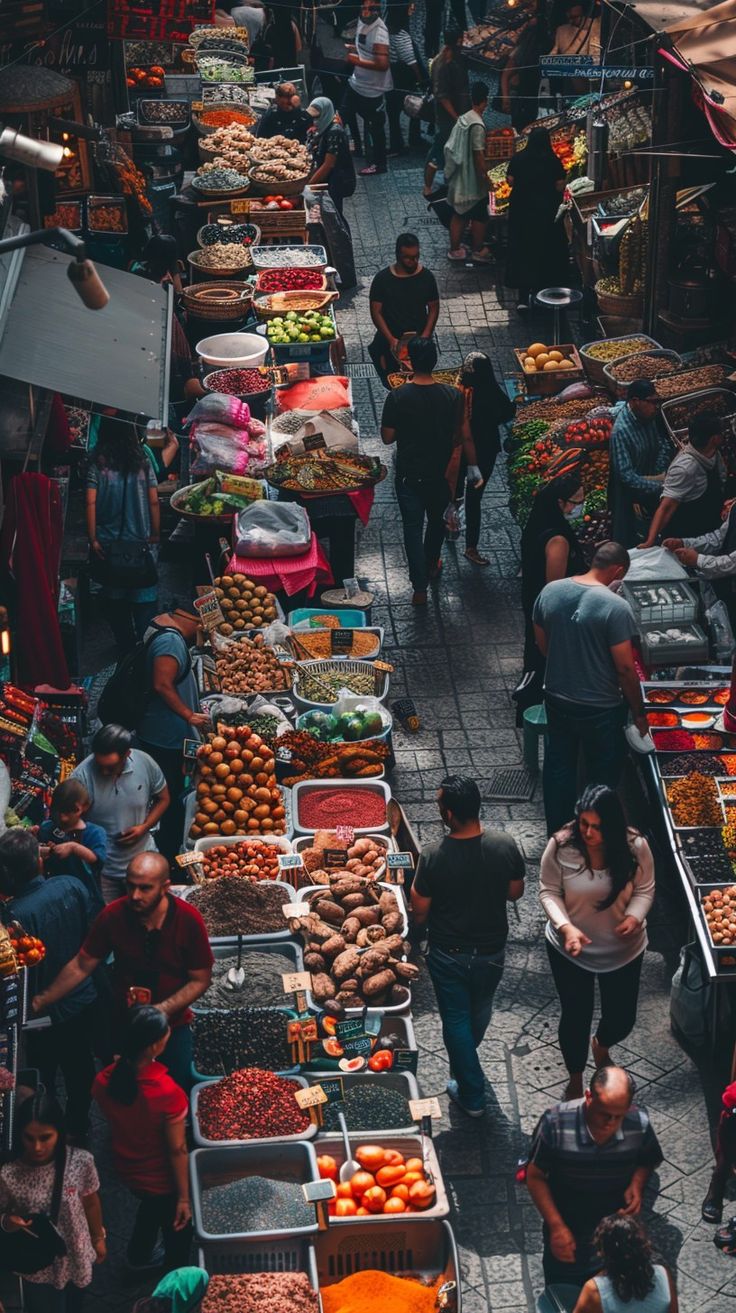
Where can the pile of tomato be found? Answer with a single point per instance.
(593, 432)
(29, 950)
(388, 1182)
(277, 203)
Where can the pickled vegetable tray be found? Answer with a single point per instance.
(326, 473)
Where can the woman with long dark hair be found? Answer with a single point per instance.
(538, 254)
(596, 886)
(487, 406)
(41, 1160)
(629, 1282)
(550, 549)
(122, 508)
(147, 1113)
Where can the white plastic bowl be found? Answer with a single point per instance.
(233, 350)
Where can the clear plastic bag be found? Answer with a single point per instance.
(272, 528)
(219, 408)
(236, 451)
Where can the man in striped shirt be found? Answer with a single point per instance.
(589, 1158)
(640, 454)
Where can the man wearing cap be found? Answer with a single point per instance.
(285, 118)
(172, 713)
(640, 454)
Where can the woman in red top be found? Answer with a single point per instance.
(147, 1113)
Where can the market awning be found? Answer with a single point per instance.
(705, 45)
(117, 357)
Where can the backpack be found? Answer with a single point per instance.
(125, 695)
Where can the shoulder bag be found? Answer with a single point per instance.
(25, 1253)
(127, 562)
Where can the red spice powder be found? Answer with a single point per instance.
(675, 740)
(661, 718)
(323, 809)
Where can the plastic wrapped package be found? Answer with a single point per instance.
(219, 408)
(237, 451)
(271, 528)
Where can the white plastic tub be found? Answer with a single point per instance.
(233, 350)
(308, 786)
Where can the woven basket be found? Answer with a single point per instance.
(280, 303)
(449, 376)
(618, 303)
(260, 186)
(230, 272)
(218, 301)
(208, 152)
(202, 128)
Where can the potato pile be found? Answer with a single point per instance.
(249, 666)
(720, 913)
(366, 857)
(279, 159)
(354, 947)
(236, 786)
(244, 604)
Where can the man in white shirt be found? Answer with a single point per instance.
(371, 77)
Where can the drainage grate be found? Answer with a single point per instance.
(512, 785)
(361, 371)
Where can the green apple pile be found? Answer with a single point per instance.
(307, 326)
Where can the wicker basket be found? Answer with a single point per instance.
(254, 242)
(204, 130)
(450, 376)
(207, 270)
(280, 303)
(261, 186)
(618, 303)
(218, 301)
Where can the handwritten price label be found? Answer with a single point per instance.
(293, 910)
(317, 1192)
(310, 1098)
(288, 861)
(240, 207)
(188, 859)
(420, 1108)
(208, 610)
(294, 980)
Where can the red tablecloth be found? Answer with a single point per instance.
(288, 573)
(363, 503)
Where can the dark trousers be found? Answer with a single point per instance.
(565, 1274)
(155, 1215)
(725, 1154)
(394, 106)
(339, 531)
(473, 498)
(372, 110)
(177, 1056)
(66, 1046)
(465, 984)
(574, 728)
(40, 1297)
(128, 620)
(619, 991)
(171, 826)
(421, 499)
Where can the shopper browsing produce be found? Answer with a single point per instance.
(628, 1273)
(584, 631)
(460, 892)
(404, 300)
(161, 955)
(538, 253)
(69, 844)
(692, 492)
(640, 454)
(487, 407)
(333, 163)
(596, 886)
(573, 1184)
(147, 1113)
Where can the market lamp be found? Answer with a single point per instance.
(83, 276)
(35, 154)
(5, 639)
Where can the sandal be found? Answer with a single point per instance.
(472, 554)
(725, 1237)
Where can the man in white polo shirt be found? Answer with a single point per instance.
(371, 77)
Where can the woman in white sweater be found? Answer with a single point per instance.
(596, 886)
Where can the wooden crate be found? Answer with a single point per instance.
(549, 382)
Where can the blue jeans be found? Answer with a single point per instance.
(465, 984)
(418, 498)
(572, 727)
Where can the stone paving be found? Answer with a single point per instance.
(459, 660)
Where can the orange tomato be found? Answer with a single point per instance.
(390, 1175)
(411, 1178)
(421, 1195)
(394, 1205)
(327, 1167)
(346, 1208)
(343, 1190)
(392, 1158)
(370, 1156)
(360, 1183)
(400, 1192)
(374, 1199)
(415, 1165)
(362, 1212)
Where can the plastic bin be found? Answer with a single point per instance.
(206, 1077)
(293, 257)
(303, 631)
(594, 368)
(412, 1146)
(305, 841)
(279, 1162)
(290, 949)
(314, 352)
(275, 937)
(425, 1249)
(402, 1081)
(190, 808)
(619, 387)
(230, 840)
(672, 652)
(399, 1028)
(308, 786)
(347, 703)
(680, 605)
(349, 617)
(286, 1255)
(349, 665)
(202, 1142)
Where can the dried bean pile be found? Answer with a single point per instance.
(642, 366)
(369, 1106)
(681, 764)
(263, 972)
(613, 350)
(241, 1037)
(250, 1105)
(238, 382)
(265, 1292)
(255, 1204)
(236, 906)
(693, 380)
(694, 800)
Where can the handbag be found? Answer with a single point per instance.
(25, 1253)
(420, 107)
(690, 998)
(127, 563)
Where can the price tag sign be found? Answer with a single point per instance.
(351, 586)
(314, 442)
(240, 207)
(288, 862)
(333, 1088)
(420, 1108)
(197, 106)
(347, 1029)
(345, 834)
(359, 1047)
(399, 862)
(240, 486)
(188, 859)
(190, 748)
(297, 1031)
(334, 857)
(383, 665)
(319, 1192)
(406, 1060)
(294, 980)
(293, 910)
(341, 641)
(284, 755)
(208, 610)
(310, 1098)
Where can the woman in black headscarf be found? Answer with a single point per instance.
(538, 255)
(486, 406)
(550, 550)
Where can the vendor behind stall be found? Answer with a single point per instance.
(285, 118)
(692, 493)
(713, 556)
(640, 453)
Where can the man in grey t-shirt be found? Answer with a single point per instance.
(585, 631)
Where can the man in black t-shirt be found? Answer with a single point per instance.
(285, 118)
(427, 422)
(460, 891)
(403, 299)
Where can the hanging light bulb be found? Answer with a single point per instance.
(5, 640)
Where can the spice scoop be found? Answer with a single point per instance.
(236, 974)
(350, 1166)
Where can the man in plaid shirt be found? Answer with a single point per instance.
(640, 454)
